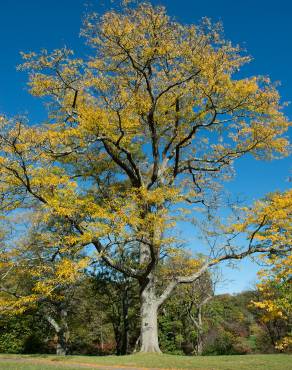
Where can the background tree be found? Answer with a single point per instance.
(149, 125)
(119, 298)
(36, 274)
(275, 300)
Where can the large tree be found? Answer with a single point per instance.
(147, 128)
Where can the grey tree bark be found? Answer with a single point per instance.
(149, 302)
(199, 325)
(149, 323)
(62, 332)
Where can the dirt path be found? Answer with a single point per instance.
(81, 365)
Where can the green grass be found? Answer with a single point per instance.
(46, 362)
(17, 366)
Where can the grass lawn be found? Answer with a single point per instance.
(48, 362)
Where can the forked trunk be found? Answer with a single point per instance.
(199, 345)
(149, 325)
(62, 332)
(200, 333)
(199, 326)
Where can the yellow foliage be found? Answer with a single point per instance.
(148, 125)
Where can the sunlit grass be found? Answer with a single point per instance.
(46, 362)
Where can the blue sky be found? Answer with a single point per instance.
(262, 27)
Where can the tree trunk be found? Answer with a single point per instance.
(199, 345)
(200, 333)
(149, 325)
(61, 347)
(62, 332)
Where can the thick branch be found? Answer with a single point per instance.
(53, 322)
(135, 182)
(191, 278)
(114, 264)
